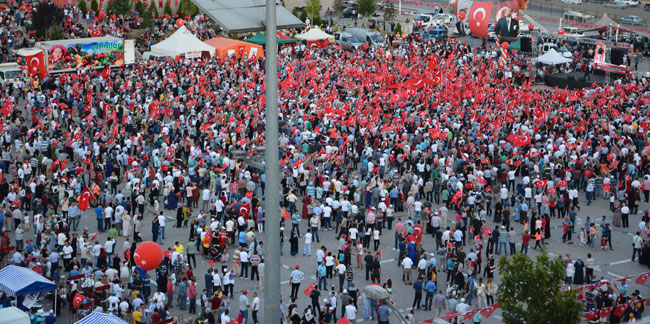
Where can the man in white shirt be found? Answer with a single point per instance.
(255, 306)
(351, 312)
(308, 239)
(407, 264)
(159, 298)
(296, 278)
(161, 223)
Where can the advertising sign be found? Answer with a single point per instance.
(85, 55)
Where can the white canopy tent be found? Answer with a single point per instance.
(315, 34)
(182, 41)
(552, 57)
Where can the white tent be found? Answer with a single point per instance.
(315, 34)
(552, 57)
(13, 315)
(182, 41)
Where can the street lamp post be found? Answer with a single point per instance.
(272, 173)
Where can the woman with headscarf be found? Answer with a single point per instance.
(294, 243)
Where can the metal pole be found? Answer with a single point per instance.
(272, 171)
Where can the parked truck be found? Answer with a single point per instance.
(82, 53)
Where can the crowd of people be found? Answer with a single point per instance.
(474, 156)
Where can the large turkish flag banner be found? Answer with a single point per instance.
(479, 17)
(36, 64)
(507, 4)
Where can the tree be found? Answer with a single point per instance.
(83, 6)
(366, 7)
(168, 8)
(94, 6)
(46, 15)
(303, 15)
(147, 16)
(530, 291)
(338, 7)
(139, 7)
(398, 28)
(389, 12)
(187, 8)
(120, 7)
(313, 8)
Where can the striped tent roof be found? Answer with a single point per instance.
(18, 281)
(101, 318)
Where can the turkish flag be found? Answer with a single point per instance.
(433, 63)
(591, 315)
(85, 198)
(605, 311)
(437, 78)
(519, 140)
(562, 184)
(7, 108)
(485, 161)
(642, 278)
(620, 309)
(36, 64)
(168, 254)
(343, 320)
(450, 315)
(611, 156)
(94, 237)
(470, 314)
(309, 289)
(78, 299)
(487, 311)
(285, 214)
(479, 17)
(551, 190)
(539, 184)
(481, 181)
(106, 72)
(244, 210)
(323, 43)
(457, 196)
(486, 231)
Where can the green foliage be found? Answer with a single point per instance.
(120, 7)
(94, 6)
(294, 11)
(317, 21)
(187, 8)
(139, 7)
(56, 33)
(303, 15)
(148, 15)
(530, 291)
(168, 9)
(366, 7)
(338, 7)
(398, 29)
(390, 12)
(313, 8)
(83, 6)
(45, 16)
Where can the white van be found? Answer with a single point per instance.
(572, 1)
(10, 72)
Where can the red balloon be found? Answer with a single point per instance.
(180, 22)
(461, 15)
(531, 26)
(561, 31)
(505, 45)
(148, 255)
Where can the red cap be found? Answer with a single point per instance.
(297, 266)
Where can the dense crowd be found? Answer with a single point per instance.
(382, 145)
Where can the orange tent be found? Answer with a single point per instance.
(226, 46)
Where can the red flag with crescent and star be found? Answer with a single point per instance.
(36, 64)
(479, 17)
(642, 278)
(78, 299)
(487, 311)
(85, 198)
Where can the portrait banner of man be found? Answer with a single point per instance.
(507, 24)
